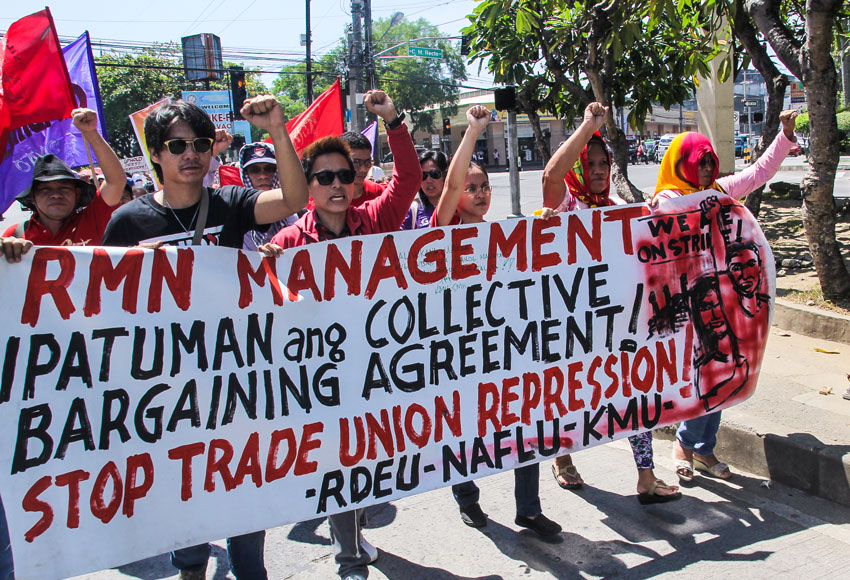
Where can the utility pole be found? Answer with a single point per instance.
(309, 40)
(355, 67)
(368, 49)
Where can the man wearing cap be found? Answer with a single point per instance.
(258, 170)
(67, 210)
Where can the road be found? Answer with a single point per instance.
(736, 529)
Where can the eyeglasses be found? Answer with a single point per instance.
(178, 146)
(258, 168)
(706, 161)
(432, 173)
(473, 189)
(326, 177)
(361, 162)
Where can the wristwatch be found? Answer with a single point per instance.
(395, 123)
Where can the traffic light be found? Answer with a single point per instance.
(505, 98)
(464, 45)
(447, 127)
(238, 91)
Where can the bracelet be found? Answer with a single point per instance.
(395, 123)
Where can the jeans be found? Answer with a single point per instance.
(700, 434)
(347, 537)
(245, 553)
(7, 569)
(526, 491)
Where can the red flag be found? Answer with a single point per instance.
(322, 118)
(34, 82)
(229, 175)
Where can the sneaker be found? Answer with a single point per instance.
(473, 516)
(369, 550)
(540, 524)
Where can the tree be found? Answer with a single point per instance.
(804, 42)
(624, 55)
(416, 85)
(129, 83)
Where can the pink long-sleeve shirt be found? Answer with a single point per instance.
(741, 184)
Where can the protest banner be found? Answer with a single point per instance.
(136, 164)
(153, 399)
(61, 138)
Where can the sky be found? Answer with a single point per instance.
(273, 25)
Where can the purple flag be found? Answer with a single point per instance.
(371, 133)
(58, 137)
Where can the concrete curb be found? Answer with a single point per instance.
(797, 459)
(811, 322)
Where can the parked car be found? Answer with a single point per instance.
(649, 146)
(795, 150)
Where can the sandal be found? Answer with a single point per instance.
(650, 497)
(719, 470)
(685, 470)
(567, 477)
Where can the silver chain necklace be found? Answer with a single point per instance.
(179, 221)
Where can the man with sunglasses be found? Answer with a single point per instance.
(67, 210)
(331, 179)
(180, 138)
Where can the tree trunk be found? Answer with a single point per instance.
(820, 82)
(530, 106)
(598, 69)
(776, 82)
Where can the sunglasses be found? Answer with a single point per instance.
(706, 161)
(361, 162)
(326, 177)
(178, 146)
(432, 173)
(258, 168)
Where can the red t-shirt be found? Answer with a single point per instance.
(84, 228)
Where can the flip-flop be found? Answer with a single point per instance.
(684, 469)
(567, 472)
(720, 470)
(650, 497)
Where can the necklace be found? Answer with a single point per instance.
(179, 221)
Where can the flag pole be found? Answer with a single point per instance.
(91, 163)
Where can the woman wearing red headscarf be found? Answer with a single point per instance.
(579, 177)
(691, 165)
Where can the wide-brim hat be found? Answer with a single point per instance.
(51, 168)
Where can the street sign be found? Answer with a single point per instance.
(424, 52)
(751, 103)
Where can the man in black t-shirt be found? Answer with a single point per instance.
(180, 137)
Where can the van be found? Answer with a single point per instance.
(663, 145)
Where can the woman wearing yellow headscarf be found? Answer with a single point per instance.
(691, 165)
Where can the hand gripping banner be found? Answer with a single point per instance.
(205, 392)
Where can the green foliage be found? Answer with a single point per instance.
(412, 83)
(126, 88)
(801, 123)
(129, 83)
(843, 120)
(643, 52)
